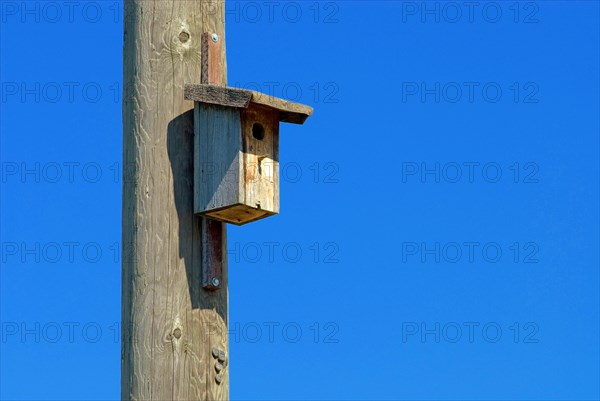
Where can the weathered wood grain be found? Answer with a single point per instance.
(212, 60)
(213, 233)
(218, 168)
(214, 248)
(289, 112)
(261, 159)
(169, 324)
(211, 94)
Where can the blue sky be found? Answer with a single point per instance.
(438, 235)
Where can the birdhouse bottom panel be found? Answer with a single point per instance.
(238, 214)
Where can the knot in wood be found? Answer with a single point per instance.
(184, 36)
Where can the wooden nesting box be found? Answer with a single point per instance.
(236, 151)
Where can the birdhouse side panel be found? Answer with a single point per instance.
(260, 136)
(217, 157)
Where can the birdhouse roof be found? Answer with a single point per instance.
(289, 112)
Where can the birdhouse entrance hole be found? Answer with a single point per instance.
(258, 131)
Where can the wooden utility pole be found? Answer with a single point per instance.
(174, 333)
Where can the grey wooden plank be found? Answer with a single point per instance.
(290, 112)
(217, 162)
(212, 94)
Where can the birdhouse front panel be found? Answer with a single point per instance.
(260, 142)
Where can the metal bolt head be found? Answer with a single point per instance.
(218, 367)
(216, 282)
(218, 378)
(177, 333)
(214, 37)
(221, 356)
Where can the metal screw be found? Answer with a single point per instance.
(214, 37)
(216, 282)
(218, 367)
(177, 333)
(221, 356)
(215, 352)
(218, 379)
